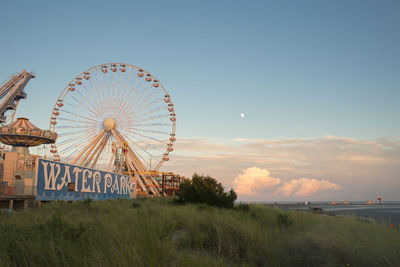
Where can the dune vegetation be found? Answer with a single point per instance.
(160, 232)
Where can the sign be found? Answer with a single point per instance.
(61, 181)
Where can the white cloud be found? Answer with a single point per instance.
(254, 181)
(305, 187)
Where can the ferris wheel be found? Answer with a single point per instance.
(114, 115)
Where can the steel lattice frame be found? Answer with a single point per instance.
(111, 113)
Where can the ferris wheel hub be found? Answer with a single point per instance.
(109, 124)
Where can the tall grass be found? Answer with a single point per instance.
(160, 233)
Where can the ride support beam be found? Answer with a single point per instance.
(95, 140)
(136, 163)
(97, 152)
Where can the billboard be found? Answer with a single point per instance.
(61, 181)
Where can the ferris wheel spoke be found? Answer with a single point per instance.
(146, 152)
(68, 133)
(148, 104)
(140, 156)
(116, 82)
(139, 86)
(148, 137)
(111, 101)
(134, 88)
(100, 85)
(70, 105)
(84, 122)
(71, 127)
(83, 105)
(93, 106)
(140, 89)
(75, 146)
(72, 148)
(124, 108)
(140, 96)
(151, 124)
(120, 91)
(153, 147)
(83, 127)
(148, 131)
(80, 116)
(113, 85)
(109, 92)
(78, 138)
(128, 84)
(97, 92)
(152, 118)
(151, 111)
(82, 136)
(145, 106)
(152, 142)
(74, 133)
(102, 94)
(131, 89)
(95, 98)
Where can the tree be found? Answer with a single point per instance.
(205, 189)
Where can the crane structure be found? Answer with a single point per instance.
(12, 91)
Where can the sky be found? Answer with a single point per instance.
(318, 83)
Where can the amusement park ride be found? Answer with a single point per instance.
(116, 118)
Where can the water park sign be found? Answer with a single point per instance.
(61, 181)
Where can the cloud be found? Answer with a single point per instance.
(254, 181)
(364, 168)
(305, 187)
(258, 182)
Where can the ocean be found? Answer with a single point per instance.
(387, 212)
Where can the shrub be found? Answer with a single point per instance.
(87, 201)
(283, 220)
(205, 189)
(243, 207)
(136, 205)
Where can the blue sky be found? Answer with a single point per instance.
(297, 69)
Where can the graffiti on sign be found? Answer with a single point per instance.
(61, 181)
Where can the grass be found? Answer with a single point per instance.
(159, 233)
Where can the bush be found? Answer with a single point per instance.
(283, 220)
(205, 189)
(136, 205)
(243, 207)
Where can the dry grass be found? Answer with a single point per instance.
(160, 233)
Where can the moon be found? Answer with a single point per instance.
(242, 115)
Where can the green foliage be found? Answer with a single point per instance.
(112, 233)
(58, 227)
(243, 207)
(87, 201)
(205, 189)
(136, 204)
(283, 220)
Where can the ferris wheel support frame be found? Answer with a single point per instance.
(138, 167)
